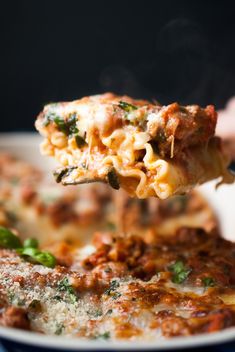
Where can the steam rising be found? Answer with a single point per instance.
(183, 68)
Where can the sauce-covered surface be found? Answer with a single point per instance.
(125, 289)
(117, 268)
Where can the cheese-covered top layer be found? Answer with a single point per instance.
(126, 289)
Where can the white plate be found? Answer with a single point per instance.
(26, 146)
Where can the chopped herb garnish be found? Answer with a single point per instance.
(105, 336)
(180, 272)
(46, 259)
(71, 123)
(57, 298)
(98, 313)
(95, 313)
(109, 311)
(61, 124)
(127, 106)
(31, 242)
(114, 284)
(59, 174)
(14, 299)
(113, 179)
(111, 291)
(64, 286)
(80, 141)
(29, 249)
(59, 328)
(37, 256)
(8, 239)
(116, 295)
(49, 117)
(11, 296)
(208, 281)
(67, 126)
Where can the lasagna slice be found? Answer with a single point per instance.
(143, 147)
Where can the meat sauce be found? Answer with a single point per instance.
(170, 287)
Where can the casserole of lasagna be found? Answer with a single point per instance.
(134, 270)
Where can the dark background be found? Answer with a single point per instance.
(63, 50)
